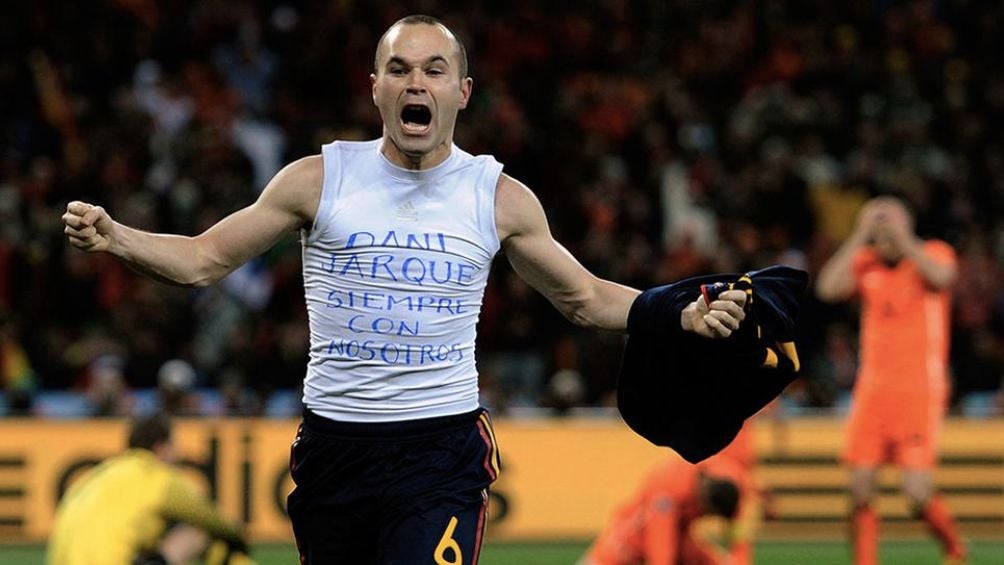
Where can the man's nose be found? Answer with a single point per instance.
(416, 82)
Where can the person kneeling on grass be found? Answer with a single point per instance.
(658, 526)
(136, 508)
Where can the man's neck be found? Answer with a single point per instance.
(415, 162)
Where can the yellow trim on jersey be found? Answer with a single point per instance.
(771, 361)
(495, 461)
(788, 348)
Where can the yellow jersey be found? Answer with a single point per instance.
(123, 506)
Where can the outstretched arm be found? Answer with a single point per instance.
(288, 202)
(583, 298)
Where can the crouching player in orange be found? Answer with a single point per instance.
(657, 526)
(738, 534)
(902, 385)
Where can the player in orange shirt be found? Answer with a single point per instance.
(902, 385)
(656, 526)
(753, 499)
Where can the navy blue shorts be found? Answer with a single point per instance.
(412, 492)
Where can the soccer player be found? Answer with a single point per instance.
(136, 508)
(394, 457)
(901, 390)
(656, 527)
(740, 531)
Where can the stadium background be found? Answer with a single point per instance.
(664, 138)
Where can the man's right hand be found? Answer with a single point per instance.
(88, 227)
(871, 215)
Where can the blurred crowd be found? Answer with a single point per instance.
(665, 138)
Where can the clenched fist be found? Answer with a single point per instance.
(88, 227)
(718, 319)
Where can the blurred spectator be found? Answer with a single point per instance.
(666, 139)
(517, 362)
(236, 398)
(16, 375)
(176, 389)
(565, 390)
(978, 361)
(106, 391)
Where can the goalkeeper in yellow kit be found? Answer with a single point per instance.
(137, 508)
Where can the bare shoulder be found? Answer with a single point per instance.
(517, 209)
(297, 187)
(310, 168)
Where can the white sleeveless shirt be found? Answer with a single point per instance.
(394, 271)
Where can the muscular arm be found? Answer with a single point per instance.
(583, 298)
(288, 202)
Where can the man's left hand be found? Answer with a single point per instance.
(718, 319)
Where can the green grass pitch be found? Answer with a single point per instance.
(548, 553)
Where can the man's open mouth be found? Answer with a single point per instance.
(416, 118)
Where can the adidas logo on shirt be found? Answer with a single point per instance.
(406, 212)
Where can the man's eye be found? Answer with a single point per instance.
(398, 71)
(434, 72)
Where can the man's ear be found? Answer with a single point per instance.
(466, 86)
(373, 78)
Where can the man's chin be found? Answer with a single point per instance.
(415, 150)
(415, 147)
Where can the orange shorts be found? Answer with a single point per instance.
(893, 431)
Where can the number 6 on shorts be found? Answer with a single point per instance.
(447, 544)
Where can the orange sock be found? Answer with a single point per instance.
(939, 521)
(865, 529)
(741, 553)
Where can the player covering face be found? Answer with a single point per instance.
(901, 391)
